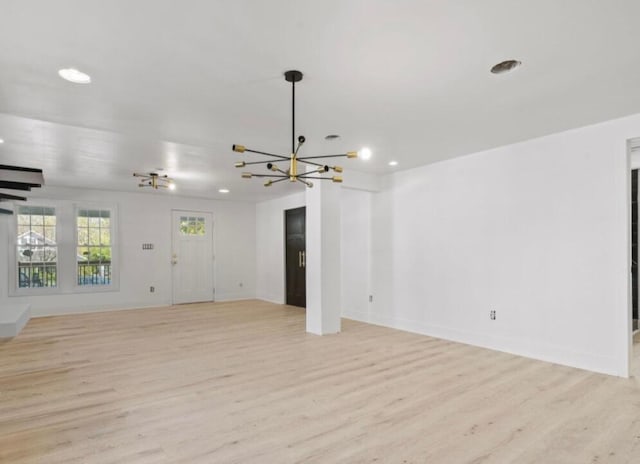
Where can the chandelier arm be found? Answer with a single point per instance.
(260, 162)
(307, 174)
(303, 160)
(275, 176)
(279, 180)
(313, 177)
(322, 156)
(267, 154)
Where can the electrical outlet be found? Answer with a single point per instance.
(370, 298)
(152, 289)
(240, 284)
(492, 315)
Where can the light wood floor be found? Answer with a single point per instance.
(243, 383)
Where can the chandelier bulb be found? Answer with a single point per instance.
(241, 164)
(337, 168)
(238, 148)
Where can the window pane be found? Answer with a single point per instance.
(50, 235)
(105, 254)
(94, 236)
(105, 237)
(36, 247)
(83, 254)
(94, 259)
(83, 236)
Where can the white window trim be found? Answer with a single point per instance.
(115, 262)
(66, 240)
(14, 290)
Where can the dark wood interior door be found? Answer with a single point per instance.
(295, 245)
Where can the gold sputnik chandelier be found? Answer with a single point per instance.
(292, 172)
(155, 180)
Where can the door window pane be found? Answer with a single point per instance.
(192, 225)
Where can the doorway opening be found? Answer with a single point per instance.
(634, 150)
(634, 249)
(295, 256)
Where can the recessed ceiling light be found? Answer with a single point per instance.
(75, 76)
(331, 137)
(393, 163)
(1, 140)
(505, 66)
(365, 153)
(223, 190)
(172, 186)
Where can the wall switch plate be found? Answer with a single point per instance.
(492, 315)
(370, 298)
(147, 246)
(152, 289)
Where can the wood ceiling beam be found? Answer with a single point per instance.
(30, 176)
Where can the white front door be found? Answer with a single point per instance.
(192, 256)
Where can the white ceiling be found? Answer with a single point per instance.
(175, 84)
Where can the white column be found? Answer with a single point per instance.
(323, 257)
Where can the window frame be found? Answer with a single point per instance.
(14, 288)
(114, 285)
(66, 240)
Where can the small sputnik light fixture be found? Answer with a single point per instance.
(155, 181)
(290, 171)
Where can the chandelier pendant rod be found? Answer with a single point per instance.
(293, 116)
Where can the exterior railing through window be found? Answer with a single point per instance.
(94, 273)
(45, 274)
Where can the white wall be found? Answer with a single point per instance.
(356, 253)
(270, 283)
(143, 218)
(537, 231)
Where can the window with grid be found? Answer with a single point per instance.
(192, 225)
(94, 247)
(36, 247)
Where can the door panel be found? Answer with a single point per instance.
(192, 257)
(295, 240)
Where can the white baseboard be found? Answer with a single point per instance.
(528, 348)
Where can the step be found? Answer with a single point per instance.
(13, 317)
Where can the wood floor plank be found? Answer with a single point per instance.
(242, 382)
